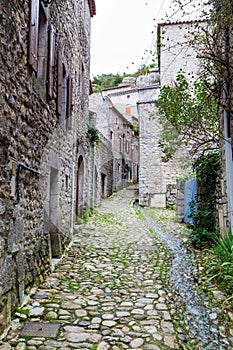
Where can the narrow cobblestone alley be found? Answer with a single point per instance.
(110, 291)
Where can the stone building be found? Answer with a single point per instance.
(127, 115)
(101, 164)
(44, 151)
(177, 50)
(118, 126)
(157, 180)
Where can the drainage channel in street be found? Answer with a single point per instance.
(183, 278)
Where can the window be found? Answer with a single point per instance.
(69, 101)
(38, 39)
(59, 82)
(51, 61)
(82, 86)
(64, 92)
(33, 34)
(66, 183)
(128, 110)
(127, 146)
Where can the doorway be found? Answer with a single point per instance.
(103, 185)
(80, 188)
(54, 231)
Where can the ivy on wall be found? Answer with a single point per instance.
(204, 219)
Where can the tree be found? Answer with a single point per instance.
(104, 81)
(188, 116)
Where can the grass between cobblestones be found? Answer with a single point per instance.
(116, 263)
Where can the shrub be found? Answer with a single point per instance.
(222, 267)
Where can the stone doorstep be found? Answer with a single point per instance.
(41, 329)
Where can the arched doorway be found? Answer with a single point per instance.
(80, 187)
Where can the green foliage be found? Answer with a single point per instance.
(188, 117)
(224, 247)
(72, 287)
(86, 214)
(22, 311)
(136, 129)
(94, 347)
(105, 81)
(93, 135)
(204, 218)
(108, 219)
(221, 268)
(139, 214)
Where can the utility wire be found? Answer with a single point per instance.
(189, 2)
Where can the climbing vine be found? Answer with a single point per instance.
(204, 218)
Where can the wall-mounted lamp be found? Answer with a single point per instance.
(46, 2)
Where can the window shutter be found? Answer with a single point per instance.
(33, 33)
(51, 62)
(127, 146)
(69, 99)
(128, 110)
(59, 82)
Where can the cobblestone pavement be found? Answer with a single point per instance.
(109, 292)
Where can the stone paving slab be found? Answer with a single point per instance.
(109, 292)
(40, 329)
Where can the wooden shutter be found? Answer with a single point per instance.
(33, 33)
(127, 146)
(69, 100)
(128, 110)
(51, 61)
(59, 82)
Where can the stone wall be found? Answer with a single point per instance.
(39, 148)
(177, 51)
(156, 178)
(116, 127)
(103, 169)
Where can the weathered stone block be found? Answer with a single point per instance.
(20, 267)
(158, 201)
(7, 275)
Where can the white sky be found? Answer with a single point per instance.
(123, 30)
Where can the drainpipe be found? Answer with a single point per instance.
(229, 169)
(93, 178)
(72, 198)
(73, 175)
(227, 137)
(123, 159)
